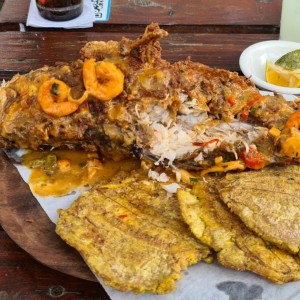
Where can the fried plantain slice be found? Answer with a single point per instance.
(268, 202)
(237, 247)
(131, 234)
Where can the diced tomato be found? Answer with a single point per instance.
(254, 159)
(231, 100)
(246, 110)
(122, 217)
(245, 114)
(289, 161)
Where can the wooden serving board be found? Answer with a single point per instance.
(24, 220)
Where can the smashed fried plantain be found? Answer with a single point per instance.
(237, 247)
(268, 202)
(131, 234)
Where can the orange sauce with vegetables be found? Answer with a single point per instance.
(57, 173)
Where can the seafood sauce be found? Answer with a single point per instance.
(59, 172)
(59, 10)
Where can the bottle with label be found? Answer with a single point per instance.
(59, 10)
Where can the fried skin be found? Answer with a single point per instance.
(183, 113)
(237, 247)
(268, 202)
(131, 234)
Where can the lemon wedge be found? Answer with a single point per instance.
(281, 76)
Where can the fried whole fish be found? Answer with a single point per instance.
(131, 234)
(122, 98)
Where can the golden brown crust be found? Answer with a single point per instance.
(237, 247)
(100, 50)
(130, 233)
(268, 203)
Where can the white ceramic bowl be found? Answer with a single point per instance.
(253, 63)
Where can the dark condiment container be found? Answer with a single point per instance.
(59, 10)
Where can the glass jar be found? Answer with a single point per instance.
(290, 21)
(59, 10)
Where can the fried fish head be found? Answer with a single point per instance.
(126, 48)
(131, 235)
(237, 247)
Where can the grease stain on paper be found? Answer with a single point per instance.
(237, 290)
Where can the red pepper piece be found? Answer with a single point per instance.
(246, 110)
(231, 100)
(254, 159)
(122, 217)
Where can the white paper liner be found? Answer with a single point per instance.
(50, 204)
(85, 20)
(200, 281)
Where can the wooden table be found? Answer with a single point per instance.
(212, 32)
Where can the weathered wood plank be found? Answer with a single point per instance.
(23, 219)
(234, 12)
(165, 12)
(23, 52)
(22, 277)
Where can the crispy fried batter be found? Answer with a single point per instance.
(273, 111)
(147, 47)
(237, 247)
(100, 50)
(268, 202)
(131, 234)
(212, 88)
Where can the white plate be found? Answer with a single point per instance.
(253, 63)
(287, 97)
